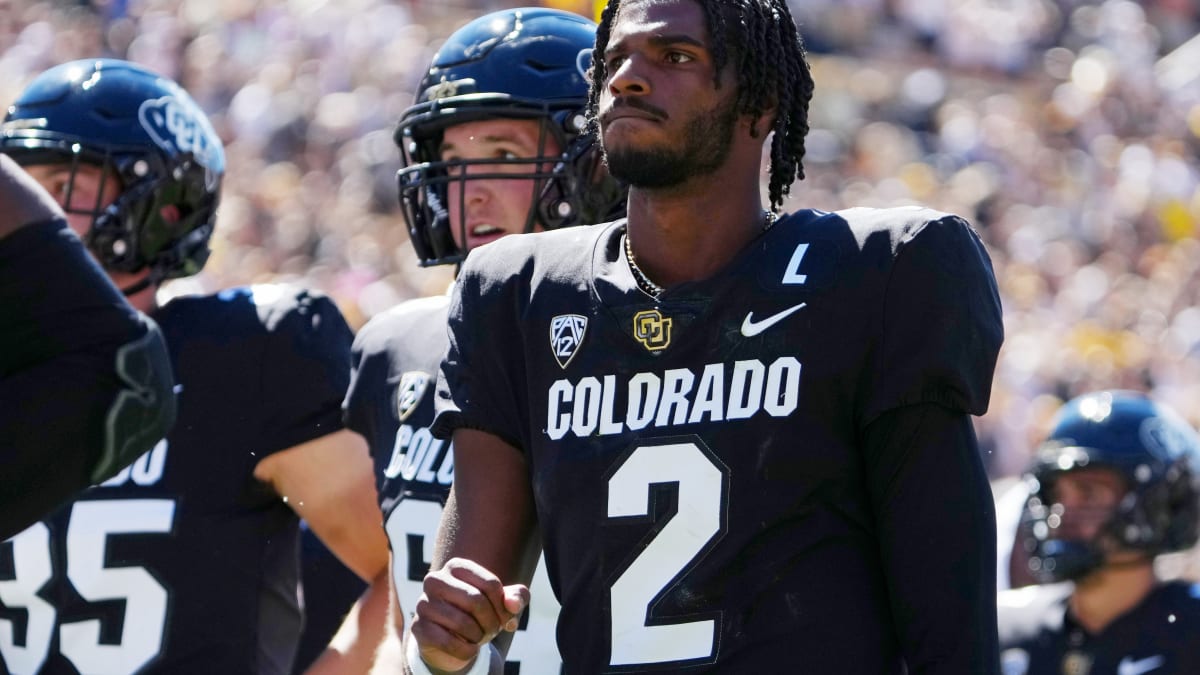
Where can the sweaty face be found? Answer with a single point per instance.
(485, 209)
(662, 119)
(1084, 500)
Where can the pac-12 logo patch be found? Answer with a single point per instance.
(411, 391)
(566, 334)
(652, 330)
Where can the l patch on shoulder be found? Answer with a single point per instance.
(566, 334)
(410, 392)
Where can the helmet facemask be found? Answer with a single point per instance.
(146, 131)
(1153, 454)
(152, 222)
(526, 63)
(554, 177)
(1058, 550)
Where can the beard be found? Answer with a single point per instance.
(707, 138)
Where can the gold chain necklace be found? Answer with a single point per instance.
(652, 289)
(643, 282)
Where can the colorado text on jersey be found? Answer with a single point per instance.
(674, 397)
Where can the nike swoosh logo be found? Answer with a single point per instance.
(1128, 666)
(750, 327)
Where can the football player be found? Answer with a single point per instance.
(85, 382)
(186, 560)
(1115, 483)
(494, 144)
(743, 441)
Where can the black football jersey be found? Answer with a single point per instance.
(183, 562)
(85, 381)
(1160, 636)
(390, 402)
(696, 461)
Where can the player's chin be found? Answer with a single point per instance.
(628, 138)
(640, 135)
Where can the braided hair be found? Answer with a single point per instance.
(761, 38)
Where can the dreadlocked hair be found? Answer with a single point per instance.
(761, 38)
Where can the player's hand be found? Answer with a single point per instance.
(461, 608)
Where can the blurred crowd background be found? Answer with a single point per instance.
(1067, 131)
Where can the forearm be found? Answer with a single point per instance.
(355, 646)
(77, 419)
(485, 555)
(389, 657)
(329, 482)
(87, 382)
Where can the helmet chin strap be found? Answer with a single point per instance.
(138, 287)
(155, 276)
(1132, 562)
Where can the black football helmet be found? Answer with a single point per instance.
(1152, 448)
(528, 63)
(155, 139)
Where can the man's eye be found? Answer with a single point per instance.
(58, 188)
(613, 63)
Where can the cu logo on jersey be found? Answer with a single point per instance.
(411, 391)
(566, 334)
(652, 330)
(175, 129)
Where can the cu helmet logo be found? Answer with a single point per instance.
(176, 129)
(566, 334)
(652, 330)
(1164, 437)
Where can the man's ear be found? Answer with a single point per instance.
(764, 121)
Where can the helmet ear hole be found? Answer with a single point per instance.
(169, 214)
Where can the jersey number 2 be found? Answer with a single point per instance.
(700, 519)
(91, 523)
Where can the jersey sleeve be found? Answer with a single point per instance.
(937, 537)
(306, 369)
(367, 379)
(479, 380)
(85, 381)
(941, 323)
(370, 405)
